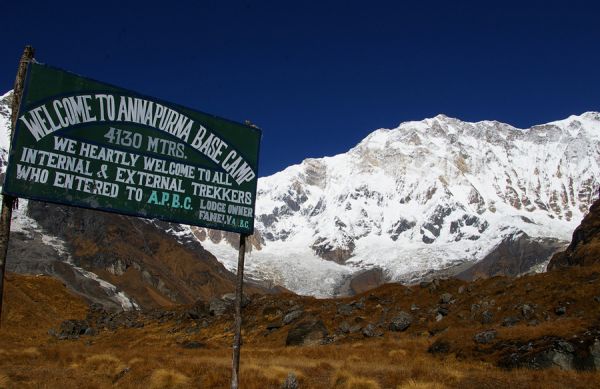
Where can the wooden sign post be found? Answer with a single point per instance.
(7, 200)
(239, 296)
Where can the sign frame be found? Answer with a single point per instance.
(197, 117)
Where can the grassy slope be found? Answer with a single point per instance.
(152, 357)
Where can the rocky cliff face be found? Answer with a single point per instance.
(428, 196)
(584, 249)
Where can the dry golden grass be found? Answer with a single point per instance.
(346, 380)
(172, 367)
(104, 364)
(30, 352)
(412, 384)
(167, 378)
(153, 357)
(4, 381)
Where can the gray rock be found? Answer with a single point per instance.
(560, 355)
(344, 327)
(290, 317)
(291, 382)
(306, 333)
(560, 310)
(485, 336)
(73, 329)
(445, 298)
(527, 310)
(401, 321)
(230, 297)
(360, 304)
(510, 321)
(218, 307)
(414, 307)
(597, 299)
(582, 354)
(345, 309)
(443, 310)
(487, 317)
(369, 331)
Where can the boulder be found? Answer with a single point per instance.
(73, 329)
(231, 298)
(549, 352)
(401, 321)
(290, 317)
(445, 298)
(370, 331)
(306, 333)
(218, 307)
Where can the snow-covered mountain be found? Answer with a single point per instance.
(425, 196)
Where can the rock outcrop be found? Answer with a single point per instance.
(584, 249)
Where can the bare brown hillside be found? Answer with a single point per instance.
(152, 266)
(531, 332)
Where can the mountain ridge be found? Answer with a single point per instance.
(424, 190)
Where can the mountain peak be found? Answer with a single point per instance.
(424, 196)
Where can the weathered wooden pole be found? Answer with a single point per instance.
(8, 201)
(237, 338)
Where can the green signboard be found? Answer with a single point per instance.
(85, 143)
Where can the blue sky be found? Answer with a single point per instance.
(318, 76)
